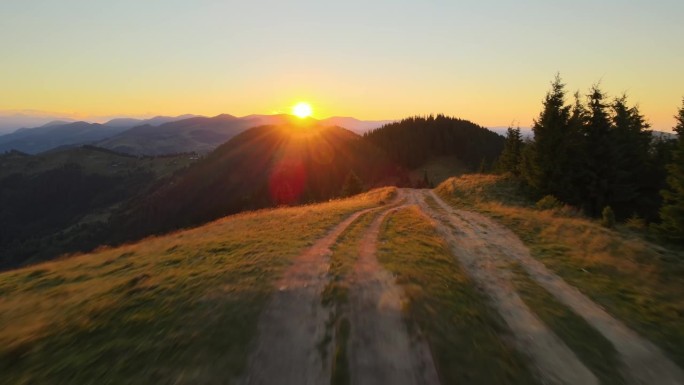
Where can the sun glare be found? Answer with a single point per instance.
(302, 110)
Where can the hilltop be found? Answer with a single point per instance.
(246, 298)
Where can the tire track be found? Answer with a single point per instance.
(293, 323)
(381, 348)
(554, 361)
(643, 362)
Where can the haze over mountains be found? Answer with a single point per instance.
(156, 136)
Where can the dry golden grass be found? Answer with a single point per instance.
(178, 308)
(637, 281)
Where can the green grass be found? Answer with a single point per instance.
(590, 346)
(638, 282)
(467, 338)
(181, 308)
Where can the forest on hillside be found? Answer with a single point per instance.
(413, 141)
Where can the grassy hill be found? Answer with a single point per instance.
(184, 307)
(181, 308)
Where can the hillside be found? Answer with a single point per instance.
(264, 166)
(175, 309)
(464, 284)
(60, 201)
(301, 161)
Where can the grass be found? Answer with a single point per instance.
(590, 346)
(467, 338)
(638, 282)
(180, 308)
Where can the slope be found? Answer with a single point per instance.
(181, 309)
(262, 167)
(60, 201)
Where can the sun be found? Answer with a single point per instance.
(302, 110)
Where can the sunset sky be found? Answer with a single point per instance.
(490, 62)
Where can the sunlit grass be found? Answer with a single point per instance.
(180, 308)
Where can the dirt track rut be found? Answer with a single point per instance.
(293, 323)
(381, 349)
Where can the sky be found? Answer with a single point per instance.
(487, 61)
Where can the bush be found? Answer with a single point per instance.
(569, 211)
(548, 202)
(608, 217)
(636, 223)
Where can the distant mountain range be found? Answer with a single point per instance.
(156, 136)
(60, 133)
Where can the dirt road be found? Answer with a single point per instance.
(382, 351)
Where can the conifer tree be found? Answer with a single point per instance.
(599, 155)
(631, 141)
(509, 161)
(672, 211)
(352, 185)
(545, 173)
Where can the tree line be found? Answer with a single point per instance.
(598, 153)
(411, 142)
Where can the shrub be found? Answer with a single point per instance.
(608, 217)
(548, 202)
(635, 222)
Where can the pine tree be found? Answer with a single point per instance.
(509, 161)
(672, 211)
(352, 185)
(631, 141)
(546, 172)
(600, 154)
